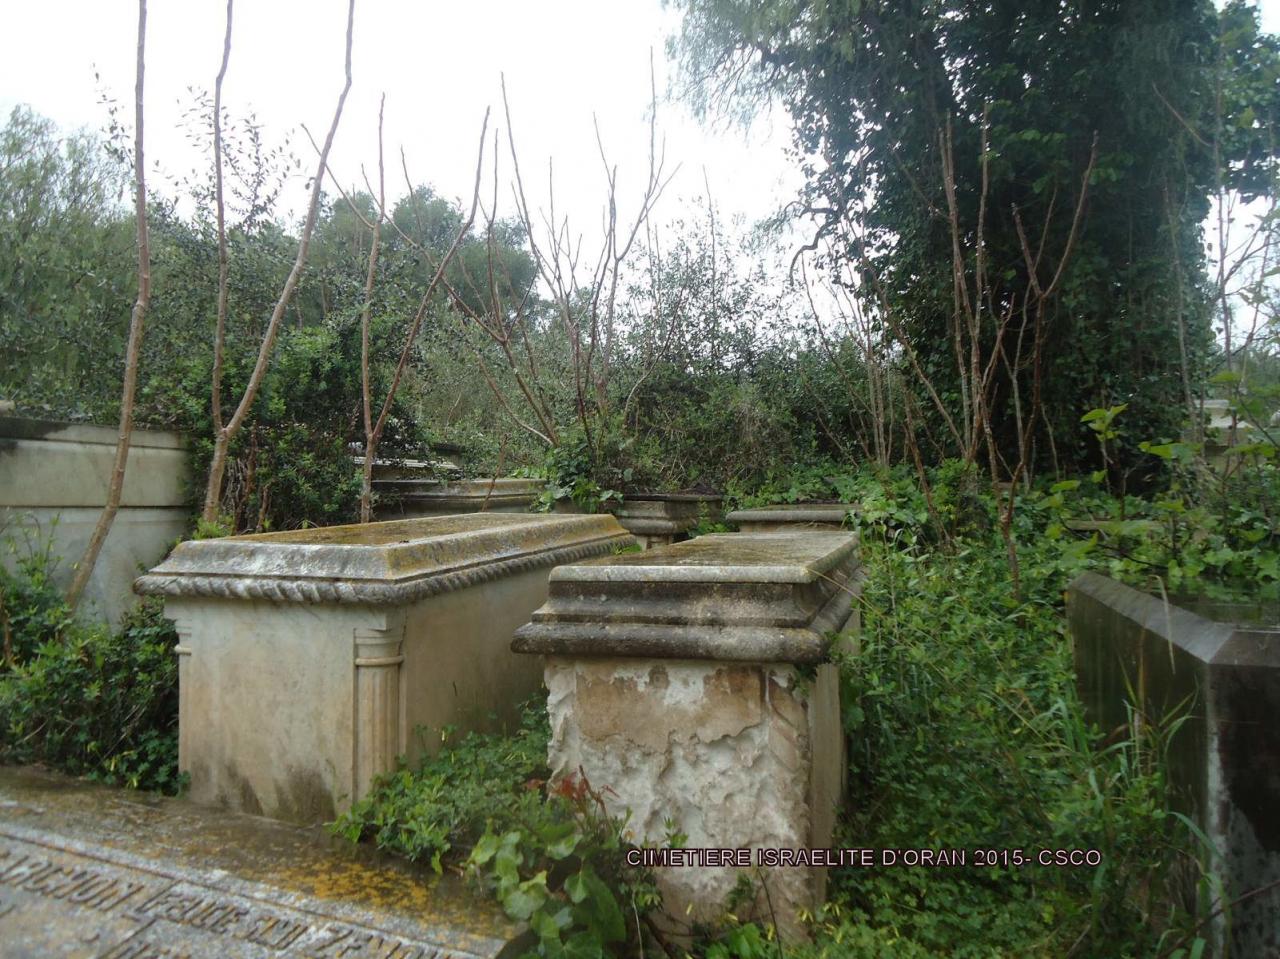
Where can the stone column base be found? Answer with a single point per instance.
(732, 755)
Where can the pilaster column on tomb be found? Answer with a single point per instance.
(379, 716)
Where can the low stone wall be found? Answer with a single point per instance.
(307, 659)
(53, 484)
(690, 684)
(1223, 673)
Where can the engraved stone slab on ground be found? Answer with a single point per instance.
(90, 872)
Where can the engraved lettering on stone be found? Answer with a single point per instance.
(275, 932)
(344, 941)
(169, 918)
(84, 887)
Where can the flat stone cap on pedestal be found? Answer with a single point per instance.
(832, 514)
(379, 563)
(744, 597)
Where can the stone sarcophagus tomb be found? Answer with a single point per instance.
(660, 519)
(307, 659)
(791, 517)
(404, 494)
(691, 684)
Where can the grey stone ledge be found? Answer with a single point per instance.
(379, 564)
(772, 557)
(56, 431)
(696, 498)
(798, 513)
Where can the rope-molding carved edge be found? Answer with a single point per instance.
(282, 590)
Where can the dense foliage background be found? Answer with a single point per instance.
(1030, 271)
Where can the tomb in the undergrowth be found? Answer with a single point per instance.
(407, 496)
(791, 517)
(1217, 665)
(53, 484)
(659, 519)
(307, 659)
(692, 685)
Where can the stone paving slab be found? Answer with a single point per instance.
(90, 872)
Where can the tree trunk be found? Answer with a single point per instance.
(90, 558)
(224, 436)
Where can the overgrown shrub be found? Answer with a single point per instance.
(966, 733)
(554, 859)
(446, 803)
(84, 698)
(32, 609)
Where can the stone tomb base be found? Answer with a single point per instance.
(1217, 669)
(738, 755)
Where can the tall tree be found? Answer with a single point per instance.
(225, 433)
(949, 145)
(116, 485)
(67, 266)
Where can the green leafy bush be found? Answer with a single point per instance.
(447, 803)
(565, 874)
(553, 858)
(96, 702)
(966, 733)
(32, 609)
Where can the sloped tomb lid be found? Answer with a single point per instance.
(391, 562)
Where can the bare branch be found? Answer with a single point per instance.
(224, 268)
(84, 569)
(223, 438)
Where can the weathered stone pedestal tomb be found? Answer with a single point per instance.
(691, 684)
(1218, 669)
(791, 517)
(660, 519)
(308, 658)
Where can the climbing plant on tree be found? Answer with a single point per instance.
(947, 146)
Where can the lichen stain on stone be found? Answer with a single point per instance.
(356, 882)
(289, 862)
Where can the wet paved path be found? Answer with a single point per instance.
(91, 871)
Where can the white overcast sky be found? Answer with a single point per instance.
(438, 64)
